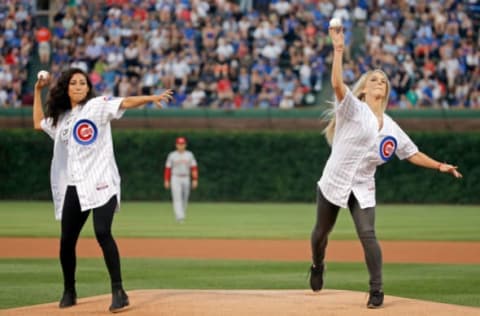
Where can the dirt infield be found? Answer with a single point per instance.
(278, 250)
(248, 302)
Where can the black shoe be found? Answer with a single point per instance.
(119, 301)
(375, 300)
(69, 298)
(316, 277)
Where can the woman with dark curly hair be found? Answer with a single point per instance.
(84, 175)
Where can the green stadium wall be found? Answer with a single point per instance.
(245, 166)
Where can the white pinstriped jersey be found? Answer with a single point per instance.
(180, 163)
(83, 153)
(358, 147)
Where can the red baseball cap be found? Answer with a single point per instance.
(181, 140)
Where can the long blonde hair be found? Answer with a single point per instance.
(357, 91)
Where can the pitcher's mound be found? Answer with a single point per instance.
(248, 302)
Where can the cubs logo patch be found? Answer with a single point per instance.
(388, 145)
(85, 132)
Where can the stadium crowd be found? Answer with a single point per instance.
(16, 46)
(247, 53)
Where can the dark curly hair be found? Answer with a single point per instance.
(58, 101)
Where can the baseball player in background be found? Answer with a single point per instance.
(84, 175)
(180, 167)
(362, 137)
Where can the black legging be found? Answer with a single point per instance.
(73, 220)
(364, 220)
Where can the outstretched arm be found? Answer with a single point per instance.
(136, 101)
(422, 160)
(336, 34)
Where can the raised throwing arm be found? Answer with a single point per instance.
(336, 34)
(38, 114)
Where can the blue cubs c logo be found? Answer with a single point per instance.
(388, 145)
(85, 132)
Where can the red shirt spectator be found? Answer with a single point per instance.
(185, 15)
(310, 30)
(237, 101)
(140, 14)
(429, 67)
(43, 35)
(223, 85)
(12, 57)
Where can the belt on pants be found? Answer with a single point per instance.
(181, 175)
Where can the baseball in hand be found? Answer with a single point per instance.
(335, 22)
(42, 74)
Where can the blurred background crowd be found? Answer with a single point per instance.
(245, 53)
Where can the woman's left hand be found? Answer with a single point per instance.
(166, 96)
(446, 168)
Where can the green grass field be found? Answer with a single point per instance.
(33, 281)
(252, 221)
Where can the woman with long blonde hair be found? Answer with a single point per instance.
(362, 138)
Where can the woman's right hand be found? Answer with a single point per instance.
(37, 112)
(337, 36)
(42, 83)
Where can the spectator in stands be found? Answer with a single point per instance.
(196, 98)
(224, 90)
(287, 101)
(43, 36)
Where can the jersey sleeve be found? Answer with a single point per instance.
(405, 147)
(169, 162)
(347, 107)
(106, 108)
(47, 126)
(193, 162)
(193, 167)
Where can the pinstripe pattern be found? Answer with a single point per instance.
(356, 153)
(87, 160)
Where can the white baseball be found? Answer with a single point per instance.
(42, 74)
(335, 22)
